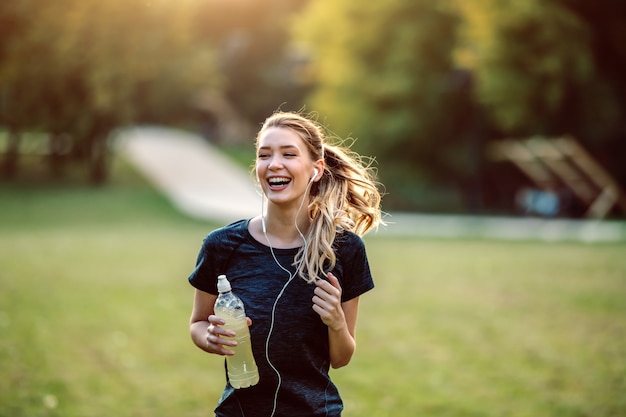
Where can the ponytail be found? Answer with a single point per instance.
(345, 199)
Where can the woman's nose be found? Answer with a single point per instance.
(275, 163)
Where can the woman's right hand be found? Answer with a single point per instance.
(216, 337)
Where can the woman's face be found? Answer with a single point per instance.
(283, 164)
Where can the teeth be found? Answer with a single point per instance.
(279, 180)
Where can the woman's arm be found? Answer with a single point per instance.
(205, 328)
(340, 319)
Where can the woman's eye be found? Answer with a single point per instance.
(262, 156)
(290, 155)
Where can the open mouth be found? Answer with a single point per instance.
(277, 183)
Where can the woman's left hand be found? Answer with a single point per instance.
(327, 302)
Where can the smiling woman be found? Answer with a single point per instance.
(292, 152)
(283, 160)
(299, 267)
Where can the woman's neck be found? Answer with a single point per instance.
(281, 229)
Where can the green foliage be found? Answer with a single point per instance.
(114, 59)
(385, 75)
(601, 101)
(527, 58)
(377, 71)
(255, 57)
(424, 85)
(83, 68)
(94, 307)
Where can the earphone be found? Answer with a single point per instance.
(315, 172)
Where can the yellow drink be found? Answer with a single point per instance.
(242, 369)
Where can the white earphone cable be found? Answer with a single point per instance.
(280, 294)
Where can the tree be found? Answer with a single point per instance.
(385, 74)
(602, 99)
(551, 68)
(108, 63)
(424, 85)
(526, 58)
(255, 58)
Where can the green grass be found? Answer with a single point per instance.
(468, 328)
(94, 306)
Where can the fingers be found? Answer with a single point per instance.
(325, 304)
(333, 280)
(330, 290)
(218, 338)
(327, 301)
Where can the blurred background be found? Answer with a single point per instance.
(451, 97)
(499, 132)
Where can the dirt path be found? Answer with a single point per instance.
(192, 173)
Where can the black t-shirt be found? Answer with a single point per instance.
(298, 344)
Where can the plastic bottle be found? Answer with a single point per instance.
(242, 369)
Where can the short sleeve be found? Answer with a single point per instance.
(204, 275)
(354, 266)
(213, 256)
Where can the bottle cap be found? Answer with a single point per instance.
(222, 284)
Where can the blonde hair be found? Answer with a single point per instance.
(345, 198)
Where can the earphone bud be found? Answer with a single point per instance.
(315, 172)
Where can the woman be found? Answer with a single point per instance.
(299, 267)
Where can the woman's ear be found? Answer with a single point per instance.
(317, 169)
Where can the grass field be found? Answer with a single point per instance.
(94, 306)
